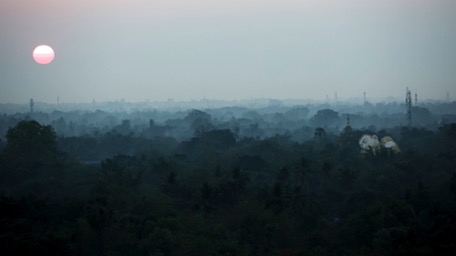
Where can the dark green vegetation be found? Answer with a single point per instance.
(219, 192)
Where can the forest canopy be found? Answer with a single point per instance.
(277, 181)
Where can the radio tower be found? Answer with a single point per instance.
(416, 99)
(408, 105)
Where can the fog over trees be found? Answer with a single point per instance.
(264, 177)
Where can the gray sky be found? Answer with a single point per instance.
(227, 49)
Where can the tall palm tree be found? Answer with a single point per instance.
(319, 132)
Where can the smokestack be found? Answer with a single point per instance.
(32, 104)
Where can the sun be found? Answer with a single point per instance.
(43, 54)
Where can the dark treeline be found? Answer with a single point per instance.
(296, 121)
(229, 181)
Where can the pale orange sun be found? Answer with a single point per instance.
(43, 54)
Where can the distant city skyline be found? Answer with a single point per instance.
(141, 50)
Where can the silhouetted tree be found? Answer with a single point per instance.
(325, 118)
(239, 180)
(31, 145)
(326, 168)
(453, 186)
(206, 195)
(319, 132)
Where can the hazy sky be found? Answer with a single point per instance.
(227, 49)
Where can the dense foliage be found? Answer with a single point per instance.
(219, 191)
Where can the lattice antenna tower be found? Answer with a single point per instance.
(408, 104)
(416, 99)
